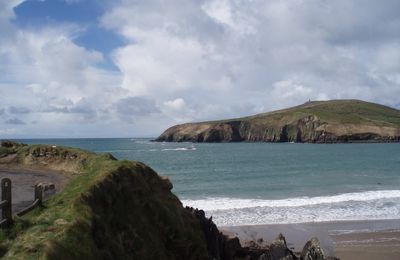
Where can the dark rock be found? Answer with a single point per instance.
(230, 248)
(11, 144)
(215, 239)
(109, 156)
(167, 183)
(313, 250)
(279, 249)
(8, 147)
(223, 248)
(8, 144)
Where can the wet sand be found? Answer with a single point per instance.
(368, 245)
(24, 180)
(348, 240)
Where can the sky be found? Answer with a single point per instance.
(132, 68)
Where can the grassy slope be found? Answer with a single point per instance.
(334, 111)
(110, 210)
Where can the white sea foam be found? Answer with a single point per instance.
(179, 149)
(232, 203)
(384, 204)
(139, 141)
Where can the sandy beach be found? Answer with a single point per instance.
(368, 245)
(348, 240)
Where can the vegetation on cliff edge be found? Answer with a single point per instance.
(109, 210)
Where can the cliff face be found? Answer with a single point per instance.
(314, 122)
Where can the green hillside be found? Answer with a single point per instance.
(316, 121)
(344, 112)
(110, 209)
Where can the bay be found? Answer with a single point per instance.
(263, 183)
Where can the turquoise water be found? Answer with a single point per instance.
(260, 183)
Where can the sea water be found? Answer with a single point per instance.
(269, 183)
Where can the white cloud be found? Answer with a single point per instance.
(9, 131)
(48, 69)
(221, 52)
(179, 110)
(6, 9)
(176, 104)
(232, 14)
(52, 84)
(198, 60)
(220, 11)
(287, 89)
(159, 63)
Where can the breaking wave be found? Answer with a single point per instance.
(368, 205)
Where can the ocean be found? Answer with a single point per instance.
(269, 183)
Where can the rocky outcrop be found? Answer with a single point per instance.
(8, 144)
(313, 251)
(313, 122)
(228, 132)
(221, 247)
(218, 245)
(8, 147)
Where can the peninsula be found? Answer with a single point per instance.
(335, 121)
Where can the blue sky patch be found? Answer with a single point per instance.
(84, 13)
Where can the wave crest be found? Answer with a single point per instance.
(368, 205)
(237, 203)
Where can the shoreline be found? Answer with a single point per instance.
(353, 240)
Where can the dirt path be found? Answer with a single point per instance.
(24, 180)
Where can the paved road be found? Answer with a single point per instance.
(23, 182)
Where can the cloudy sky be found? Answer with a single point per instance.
(131, 68)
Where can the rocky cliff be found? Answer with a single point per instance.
(313, 122)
